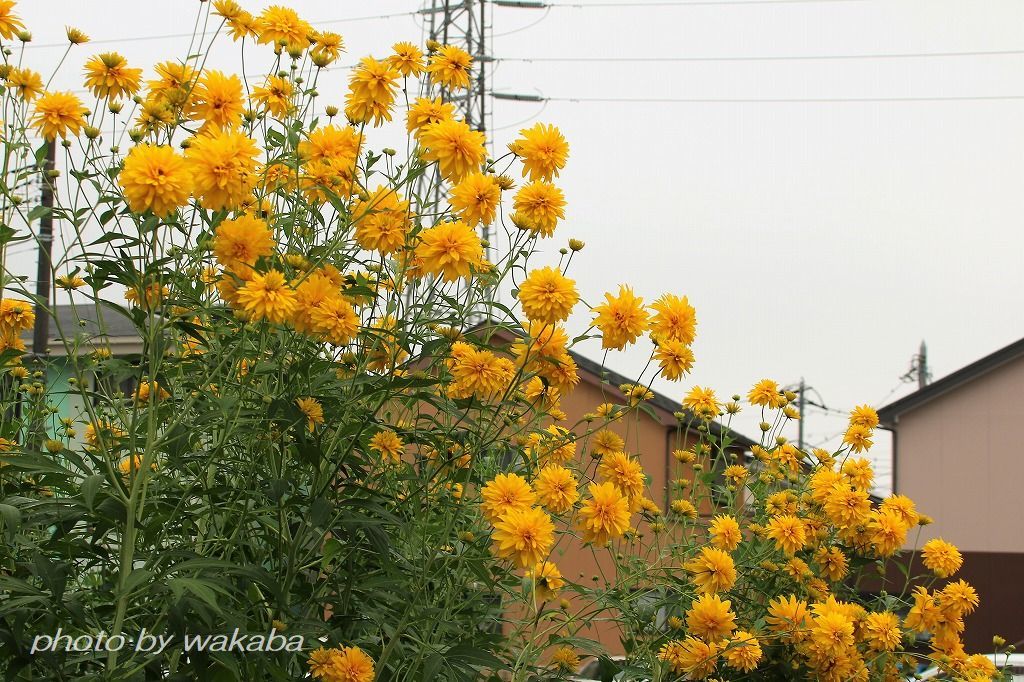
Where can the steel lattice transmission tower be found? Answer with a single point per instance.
(463, 23)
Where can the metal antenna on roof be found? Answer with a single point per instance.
(919, 368)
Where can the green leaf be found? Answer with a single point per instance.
(91, 486)
(11, 518)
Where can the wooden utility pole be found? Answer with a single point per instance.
(41, 333)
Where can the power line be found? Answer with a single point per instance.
(764, 58)
(684, 3)
(772, 100)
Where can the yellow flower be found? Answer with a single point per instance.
(336, 146)
(478, 373)
(831, 634)
(449, 67)
(218, 100)
(329, 47)
(336, 319)
(70, 282)
(711, 618)
(904, 507)
(888, 532)
(625, 473)
(832, 561)
(10, 23)
(882, 631)
(604, 515)
(858, 438)
(547, 296)
(506, 492)
(925, 614)
(281, 26)
(407, 59)
(675, 358)
(28, 84)
(712, 571)
(547, 580)
(347, 664)
(239, 243)
(858, 472)
(108, 75)
(539, 206)
(150, 390)
(449, 249)
(941, 558)
(674, 318)
(274, 96)
(381, 221)
(684, 508)
(129, 465)
(847, 506)
(75, 36)
(788, 531)
(556, 488)
(371, 93)
(425, 112)
(691, 657)
(864, 415)
(736, 474)
(457, 149)
(742, 651)
(787, 615)
(155, 178)
(313, 411)
(606, 442)
(523, 535)
(765, 393)
(543, 150)
(154, 113)
(388, 444)
(476, 198)
(565, 658)
(16, 316)
(267, 296)
(701, 401)
(622, 319)
(59, 113)
(724, 532)
(223, 167)
(959, 596)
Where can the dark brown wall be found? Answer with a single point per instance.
(999, 579)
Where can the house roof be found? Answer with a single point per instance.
(118, 326)
(662, 402)
(72, 320)
(889, 414)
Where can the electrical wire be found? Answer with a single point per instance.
(782, 100)
(523, 28)
(684, 3)
(764, 58)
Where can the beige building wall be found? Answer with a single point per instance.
(960, 457)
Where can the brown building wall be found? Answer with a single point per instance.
(997, 576)
(960, 458)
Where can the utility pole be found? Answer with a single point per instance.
(800, 422)
(922, 366)
(41, 332)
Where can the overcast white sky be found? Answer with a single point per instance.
(816, 239)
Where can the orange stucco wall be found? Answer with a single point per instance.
(959, 457)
